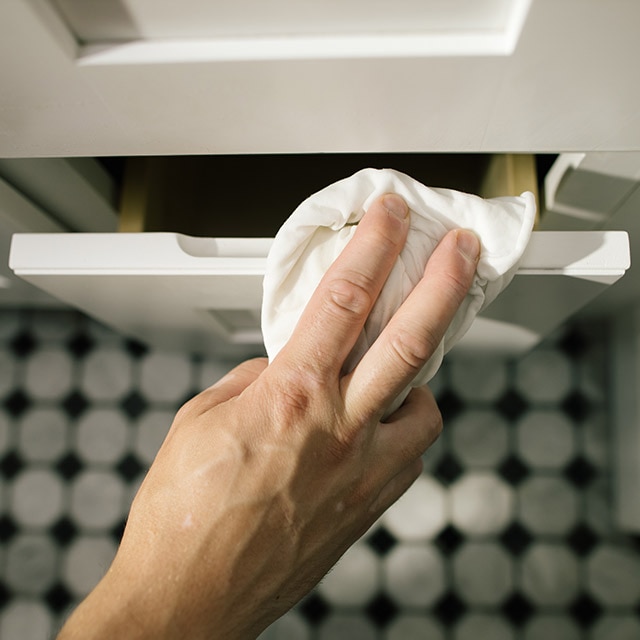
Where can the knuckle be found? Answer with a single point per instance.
(456, 285)
(414, 349)
(350, 296)
(298, 393)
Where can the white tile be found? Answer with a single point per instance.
(477, 626)
(30, 564)
(97, 499)
(54, 324)
(479, 438)
(149, 433)
(613, 576)
(414, 575)
(48, 374)
(420, 513)
(482, 573)
(165, 377)
(85, 562)
(616, 627)
(550, 574)
(478, 379)
(43, 434)
(102, 436)
(544, 375)
(36, 498)
(291, 626)
(552, 627)
(106, 373)
(347, 627)
(412, 627)
(481, 503)
(8, 372)
(547, 505)
(25, 620)
(545, 439)
(353, 581)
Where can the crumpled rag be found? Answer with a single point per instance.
(317, 231)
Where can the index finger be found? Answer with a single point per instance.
(416, 329)
(334, 317)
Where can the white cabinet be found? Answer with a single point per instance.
(525, 76)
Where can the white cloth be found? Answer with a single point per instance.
(318, 230)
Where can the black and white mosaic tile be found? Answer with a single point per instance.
(508, 534)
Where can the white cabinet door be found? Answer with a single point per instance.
(139, 77)
(204, 294)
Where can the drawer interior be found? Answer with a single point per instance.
(251, 196)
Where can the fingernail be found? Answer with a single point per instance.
(468, 244)
(396, 206)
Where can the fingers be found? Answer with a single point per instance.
(409, 432)
(336, 313)
(415, 331)
(400, 443)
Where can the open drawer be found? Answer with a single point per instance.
(183, 272)
(204, 294)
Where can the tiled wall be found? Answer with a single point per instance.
(508, 535)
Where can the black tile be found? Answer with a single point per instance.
(58, 598)
(5, 595)
(580, 472)
(63, 531)
(448, 469)
(8, 528)
(574, 343)
(75, 404)
(585, 610)
(582, 539)
(511, 405)
(381, 541)
(69, 466)
(381, 610)
(513, 470)
(517, 609)
(135, 348)
(314, 608)
(449, 540)
(11, 465)
(516, 539)
(449, 608)
(134, 405)
(23, 344)
(80, 345)
(17, 403)
(450, 405)
(129, 467)
(577, 406)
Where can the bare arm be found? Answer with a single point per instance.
(266, 478)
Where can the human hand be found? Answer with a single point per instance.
(266, 478)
